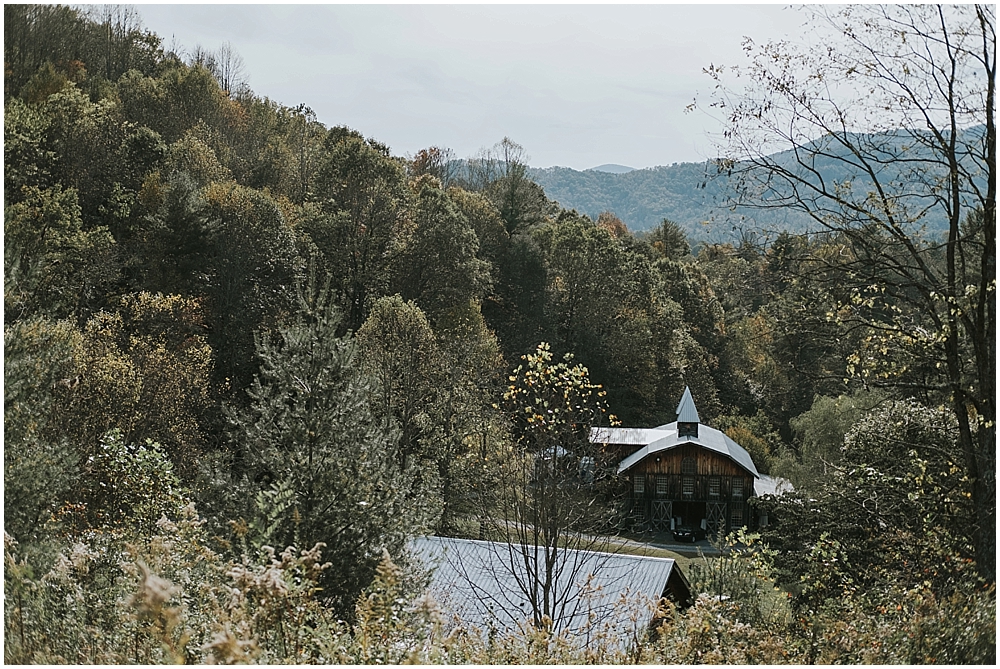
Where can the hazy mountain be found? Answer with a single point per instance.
(683, 192)
(612, 168)
(695, 196)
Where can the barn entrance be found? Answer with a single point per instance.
(688, 514)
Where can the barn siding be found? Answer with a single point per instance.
(664, 480)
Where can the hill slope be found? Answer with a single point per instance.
(694, 196)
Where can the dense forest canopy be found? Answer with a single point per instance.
(247, 356)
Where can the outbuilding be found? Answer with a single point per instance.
(489, 586)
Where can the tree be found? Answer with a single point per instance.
(121, 44)
(436, 265)
(38, 470)
(252, 269)
(669, 240)
(468, 419)
(363, 196)
(336, 471)
(229, 70)
(33, 34)
(52, 264)
(398, 350)
(552, 492)
(440, 163)
(142, 370)
(820, 435)
(901, 101)
(501, 173)
(897, 502)
(618, 327)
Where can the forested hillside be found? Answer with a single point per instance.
(247, 356)
(702, 197)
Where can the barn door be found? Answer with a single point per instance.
(716, 517)
(663, 511)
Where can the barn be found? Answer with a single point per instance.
(684, 473)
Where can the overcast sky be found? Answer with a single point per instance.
(576, 85)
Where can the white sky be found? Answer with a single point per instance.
(576, 85)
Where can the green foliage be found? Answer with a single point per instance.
(27, 160)
(128, 486)
(362, 193)
(52, 265)
(253, 267)
(742, 576)
(756, 434)
(166, 221)
(310, 427)
(143, 370)
(618, 328)
(436, 264)
(897, 505)
(669, 240)
(399, 352)
(820, 435)
(39, 468)
(192, 155)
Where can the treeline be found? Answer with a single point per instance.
(230, 329)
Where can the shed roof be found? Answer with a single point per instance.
(708, 437)
(481, 584)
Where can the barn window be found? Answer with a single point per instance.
(639, 484)
(689, 465)
(736, 520)
(714, 486)
(662, 486)
(689, 486)
(738, 488)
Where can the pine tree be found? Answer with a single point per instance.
(310, 428)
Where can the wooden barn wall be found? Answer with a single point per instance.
(708, 463)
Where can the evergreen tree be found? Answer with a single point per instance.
(333, 466)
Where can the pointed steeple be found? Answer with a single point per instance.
(687, 416)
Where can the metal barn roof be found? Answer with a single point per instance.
(629, 436)
(767, 485)
(481, 583)
(662, 438)
(708, 437)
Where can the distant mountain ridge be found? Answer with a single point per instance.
(613, 168)
(695, 196)
(642, 198)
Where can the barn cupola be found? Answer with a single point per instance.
(687, 416)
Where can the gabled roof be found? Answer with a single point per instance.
(708, 437)
(686, 411)
(480, 584)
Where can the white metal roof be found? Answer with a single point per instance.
(482, 584)
(629, 436)
(767, 485)
(708, 437)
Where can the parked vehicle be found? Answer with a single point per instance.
(691, 534)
